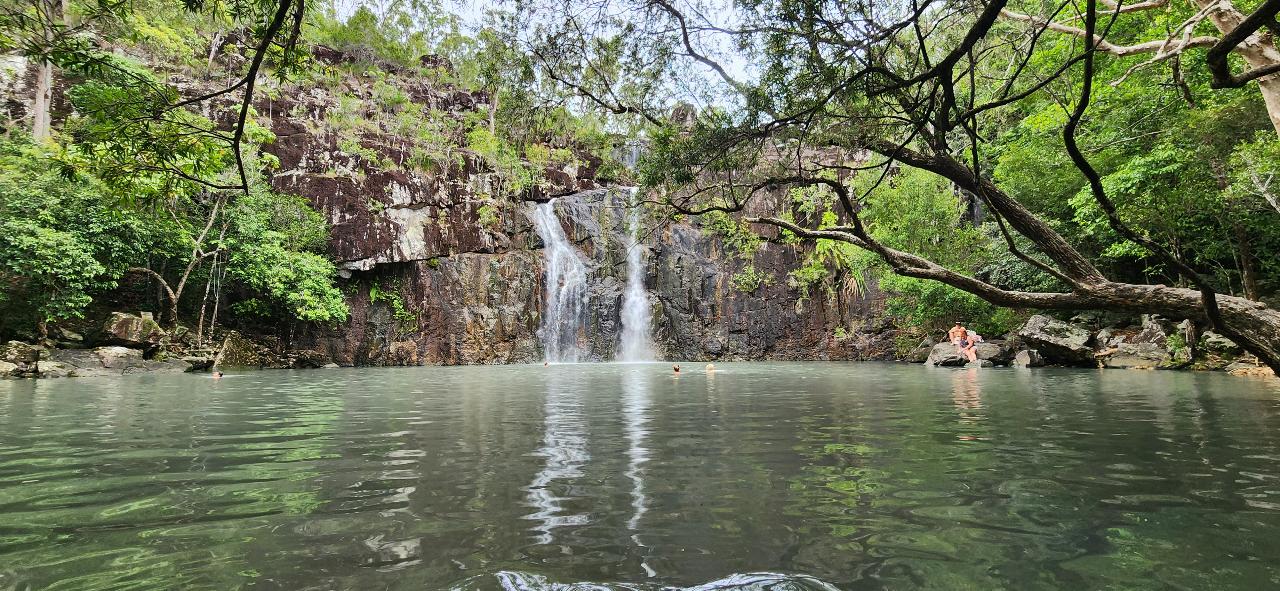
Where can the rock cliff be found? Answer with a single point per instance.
(441, 267)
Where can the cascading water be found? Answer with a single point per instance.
(635, 344)
(566, 294)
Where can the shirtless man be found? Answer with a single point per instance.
(957, 334)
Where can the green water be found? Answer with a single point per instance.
(856, 476)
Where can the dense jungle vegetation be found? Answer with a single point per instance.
(968, 158)
(140, 175)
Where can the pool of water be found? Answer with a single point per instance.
(617, 476)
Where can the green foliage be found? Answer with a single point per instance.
(487, 215)
(737, 236)
(271, 240)
(406, 321)
(749, 279)
(63, 239)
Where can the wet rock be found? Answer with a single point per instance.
(133, 331)
(82, 362)
(1057, 341)
(1134, 356)
(979, 364)
(308, 359)
(56, 369)
(198, 362)
(1155, 330)
(21, 353)
(20, 359)
(119, 358)
(69, 337)
(1244, 368)
(945, 355)
(920, 354)
(1028, 358)
(1216, 343)
(159, 366)
(238, 351)
(948, 355)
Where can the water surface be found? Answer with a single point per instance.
(758, 476)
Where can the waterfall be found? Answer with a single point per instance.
(566, 294)
(635, 344)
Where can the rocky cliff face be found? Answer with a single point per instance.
(439, 270)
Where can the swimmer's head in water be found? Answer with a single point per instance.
(676, 368)
(711, 367)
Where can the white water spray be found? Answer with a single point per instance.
(566, 294)
(635, 344)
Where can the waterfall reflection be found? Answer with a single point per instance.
(564, 447)
(635, 415)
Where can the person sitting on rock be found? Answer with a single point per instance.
(957, 333)
(969, 347)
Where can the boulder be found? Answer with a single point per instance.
(118, 358)
(237, 351)
(56, 369)
(1107, 337)
(1134, 356)
(133, 331)
(159, 366)
(1028, 358)
(1155, 330)
(20, 359)
(20, 353)
(69, 338)
(198, 362)
(948, 355)
(920, 354)
(1057, 341)
(997, 352)
(979, 363)
(945, 355)
(330, 366)
(1249, 369)
(1216, 343)
(308, 359)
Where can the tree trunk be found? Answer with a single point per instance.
(41, 107)
(1248, 270)
(168, 292)
(1257, 51)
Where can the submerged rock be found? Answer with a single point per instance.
(979, 363)
(1057, 341)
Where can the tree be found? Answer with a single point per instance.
(872, 89)
(1239, 35)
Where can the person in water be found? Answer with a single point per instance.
(217, 374)
(711, 367)
(676, 368)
